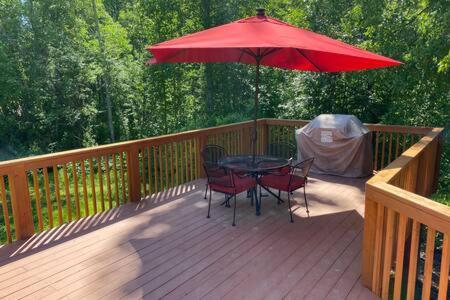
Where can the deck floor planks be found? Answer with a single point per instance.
(98, 236)
(170, 249)
(86, 270)
(323, 286)
(324, 262)
(53, 267)
(239, 284)
(259, 285)
(227, 240)
(347, 281)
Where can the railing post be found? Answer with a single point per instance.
(368, 250)
(438, 154)
(426, 170)
(20, 202)
(202, 141)
(134, 177)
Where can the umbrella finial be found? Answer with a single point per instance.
(260, 12)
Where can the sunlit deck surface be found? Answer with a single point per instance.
(165, 247)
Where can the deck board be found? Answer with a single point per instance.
(164, 247)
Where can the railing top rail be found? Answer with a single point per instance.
(420, 208)
(75, 154)
(388, 173)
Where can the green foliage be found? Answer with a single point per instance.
(58, 70)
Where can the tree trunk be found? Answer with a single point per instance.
(105, 76)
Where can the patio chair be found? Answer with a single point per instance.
(227, 182)
(284, 150)
(295, 179)
(211, 154)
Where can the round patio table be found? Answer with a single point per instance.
(254, 166)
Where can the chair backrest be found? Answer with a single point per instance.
(282, 150)
(211, 154)
(302, 168)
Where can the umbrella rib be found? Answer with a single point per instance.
(249, 52)
(268, 52)
(310, 61)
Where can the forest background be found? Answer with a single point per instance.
(72, 73)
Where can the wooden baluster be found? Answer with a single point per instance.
(116, 179)
(400, 253)
(144, 176)
(375, 165)
(92, 178)
(161, 167)
(108, 181)
(133, 176)
(75, 189)
(387, 253)
(428, 270)
(100, 182)
(149, 171)
(445, 262)
(37, 195)
(57, 193)
(85, 193)
(186, 159)
(155, 166)
(191, 155)
(166, 163)
(47, 198)
(397, 144)
(122, 177)
(377, 251)
(67, 193)
(172, 182)
(412, 139)
(390, 148)
(383, 150)
(404, 142)
(177, 177)
(413, 255)
(5, 209)
(182, 163)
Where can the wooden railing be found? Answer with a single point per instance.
(41, 192)
(397, 219)
(44, 191)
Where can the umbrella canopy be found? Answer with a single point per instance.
(262, 40)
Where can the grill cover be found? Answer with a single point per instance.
(340, 144)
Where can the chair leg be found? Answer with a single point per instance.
(306, 202)
(279, 196)
(251, 198)
(234, 212)
(206, 191)
(209, 204)
(289, 203)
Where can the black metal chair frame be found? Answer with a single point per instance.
(304, 166)
(231, 174)
(280, 149)
(213, 162)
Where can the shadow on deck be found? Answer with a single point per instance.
(165, 247)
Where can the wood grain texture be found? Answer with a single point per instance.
(166, 248)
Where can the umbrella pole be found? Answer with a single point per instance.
(255, 113)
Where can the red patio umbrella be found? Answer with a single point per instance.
(263, 40)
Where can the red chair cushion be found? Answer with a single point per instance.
(281, 182)
(240, 184)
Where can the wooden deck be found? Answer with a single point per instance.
(165, 247)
